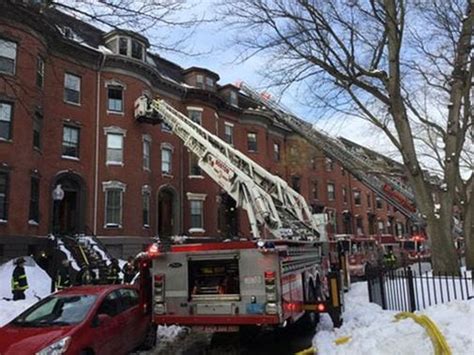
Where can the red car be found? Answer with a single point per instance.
(81, 320)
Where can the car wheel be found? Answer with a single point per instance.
(150, 338)
(87, 352)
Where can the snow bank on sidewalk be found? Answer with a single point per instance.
(39, 285)
(373, 330)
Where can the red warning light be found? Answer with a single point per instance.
(321, 307)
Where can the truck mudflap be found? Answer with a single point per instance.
(217, 320)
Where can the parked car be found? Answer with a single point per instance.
(81, 320)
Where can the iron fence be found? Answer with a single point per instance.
(405, 290)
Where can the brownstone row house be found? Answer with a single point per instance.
(67, 92)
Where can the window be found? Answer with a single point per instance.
(200, 81)
(331, 192)
(329, 164)
(233, 98)
(70, 142)
(123, 46)
(39, 72)
(72, 88)
(359, 226)
(378, 202)
(114, 148)
(252, 142)
(146, 153)
(369, 200)
(146, 206)
(381, 227)
(194, 168)
(315, 190)
(4, 182)
(165, 127)
(343, 172)
(115, 98)
(209, 83)
(37, 128)
(276, 152)
(113, 207)
(314, 164)
(7, 56)
(357, 198)
(6, 114)
(137, 50)
(166, 155)
(196, 207)
(34, 199)
(129, 298)
(344, 194)
(229, 133)
(195, 116)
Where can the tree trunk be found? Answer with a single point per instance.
(468, 230)
(444, 258)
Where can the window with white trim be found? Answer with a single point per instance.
(378, 202)
(113, 203)
(276, 152)
(344, 194)
(331, 192)
(357, 198)
(166, 160)
(146, 153)
(196, 210)
(70, 142)
(7, 56)
(252, 142)
(195, 116)
(114, 148)
(200, 81)
(72, 88)
(6, 115)
(229, 133)
(114, 98)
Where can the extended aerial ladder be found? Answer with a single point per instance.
(386, 188)
(274, 209)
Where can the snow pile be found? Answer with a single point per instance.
(39, 286)
(373, 330)
(169, 333)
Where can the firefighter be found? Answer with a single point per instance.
(129, 270)
(19, 280)
(114, 270)
(390, 260)
(63, 277)
(85, 276)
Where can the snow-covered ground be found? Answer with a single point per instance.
(38, 280)
(373, 330)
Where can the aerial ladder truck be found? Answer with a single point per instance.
(281, 276)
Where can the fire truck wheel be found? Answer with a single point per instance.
(150, 338)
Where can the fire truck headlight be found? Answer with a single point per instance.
(271, 308)
(159, 308)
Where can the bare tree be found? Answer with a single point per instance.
(404, 66)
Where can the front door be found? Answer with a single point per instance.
(68, 211)
(165, 213)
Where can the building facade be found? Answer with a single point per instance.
(74, 160)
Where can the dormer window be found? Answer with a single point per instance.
(137, 50)
(209, 83)
(233, 99)
(127, 46)
(200, 81)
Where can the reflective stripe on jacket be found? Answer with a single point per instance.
(19, 280)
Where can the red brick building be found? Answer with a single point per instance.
(67, 92)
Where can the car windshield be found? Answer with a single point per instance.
(56, 310)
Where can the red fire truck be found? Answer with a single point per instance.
(280, 276)
(360, 251)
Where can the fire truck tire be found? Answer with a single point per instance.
(150, 338)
